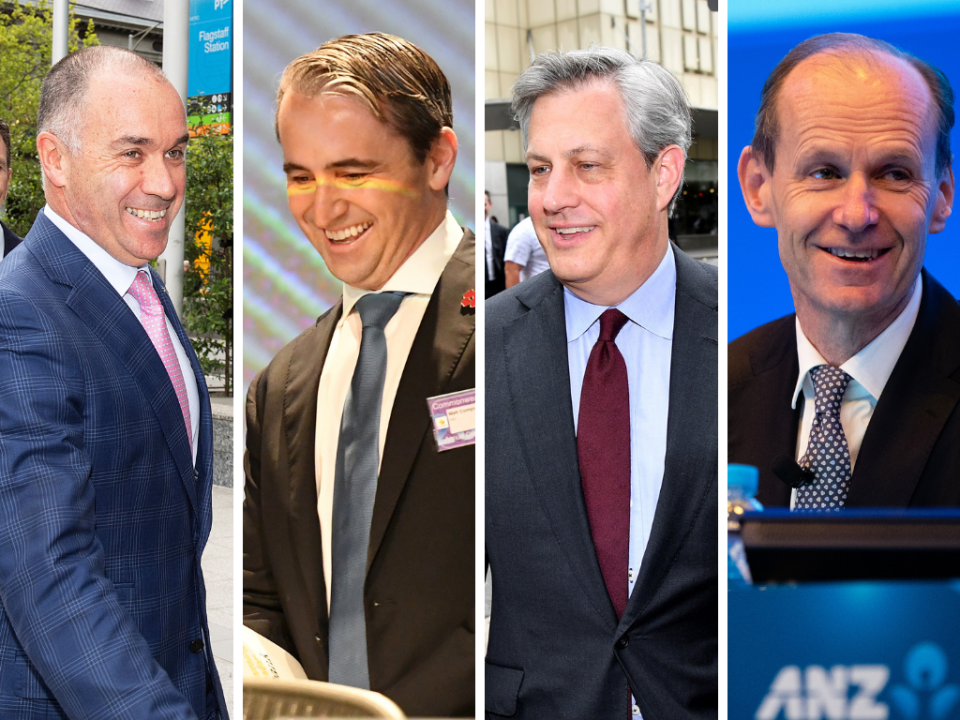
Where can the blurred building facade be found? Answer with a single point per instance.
(681, 35)
(132, 24)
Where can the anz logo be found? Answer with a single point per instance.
(851, 692)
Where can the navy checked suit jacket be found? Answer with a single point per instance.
(103, 516)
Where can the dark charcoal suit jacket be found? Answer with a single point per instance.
(419, 595)
(498, 240)
(910, 456)
(556, 648)
(10, 239)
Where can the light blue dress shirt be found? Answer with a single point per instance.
(646, 343)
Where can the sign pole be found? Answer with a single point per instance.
(176, 33)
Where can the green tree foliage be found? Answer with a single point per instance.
(26, 43)
(25, 49)
(208, 283)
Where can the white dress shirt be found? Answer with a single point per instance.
(869, 369)
(121, 277)
(525, 250)
(418, 276)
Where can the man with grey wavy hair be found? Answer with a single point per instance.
(601, 470)
(657, 111)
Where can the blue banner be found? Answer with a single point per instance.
(835, 651)
(211, 47)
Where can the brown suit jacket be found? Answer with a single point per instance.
(420, 579)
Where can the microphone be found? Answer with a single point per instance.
(787, 470)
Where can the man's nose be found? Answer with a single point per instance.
(329, 203)
(561, 191)
(161, 179)
(856, 210)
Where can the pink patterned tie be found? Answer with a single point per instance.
(154, 322)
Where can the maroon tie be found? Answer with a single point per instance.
(603, 446)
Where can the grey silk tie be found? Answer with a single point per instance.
(355, 487)
(828, 454)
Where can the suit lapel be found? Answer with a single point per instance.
(687, 492)
(109, 318)
(445, 331)
(204, 463)
(538, 379)
(915, 404)
(299, 427)
(769, 425)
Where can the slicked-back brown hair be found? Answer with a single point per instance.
(400, 84)
(767, 131)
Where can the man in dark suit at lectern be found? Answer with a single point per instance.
(358, 532)
(854, 399)
(601, 424)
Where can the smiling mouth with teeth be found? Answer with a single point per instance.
(151, 215)
(573, 230)
(857, 255)
(347, 234)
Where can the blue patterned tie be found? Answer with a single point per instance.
(354, 490)
(828, 455)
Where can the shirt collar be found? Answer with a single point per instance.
(652, 305)
(871, 367)
(119, 275)
(421, 272)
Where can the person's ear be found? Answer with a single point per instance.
(943, 204)
(755, 184)
(441, 159)
(54, 158)
(669, 174)
(3, 196)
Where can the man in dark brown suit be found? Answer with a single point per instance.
(365, 125)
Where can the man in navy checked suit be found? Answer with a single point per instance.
(105, 478)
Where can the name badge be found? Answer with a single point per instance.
(454, 419)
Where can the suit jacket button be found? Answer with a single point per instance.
(196, 646)
(623, 642)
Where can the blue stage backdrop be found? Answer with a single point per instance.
(760, 34)
(845, 651)
(286, 284)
